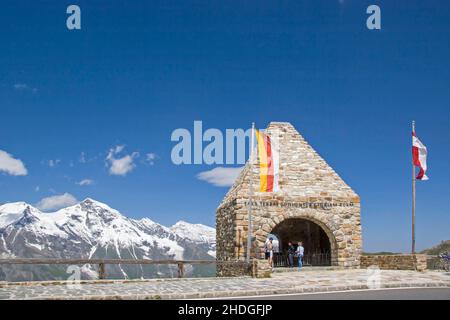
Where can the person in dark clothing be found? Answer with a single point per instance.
(291, 253)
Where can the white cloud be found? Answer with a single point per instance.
(120, 166)
(56, 202)
(85, 182)
(220, 176)
(119, 149)
(20, 86)
(82, 158)
(150, 158)
(37, 189)
(53, 163)
(24, 87)
(11, 166)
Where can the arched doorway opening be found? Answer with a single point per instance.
(317, 244)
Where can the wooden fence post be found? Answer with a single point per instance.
(101, 271)
(180, 269)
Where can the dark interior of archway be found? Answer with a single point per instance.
(315, 240)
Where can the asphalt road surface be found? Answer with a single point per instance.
(381, 294)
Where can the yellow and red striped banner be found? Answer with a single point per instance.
(268, 163)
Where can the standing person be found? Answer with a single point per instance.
(276, 250)
(300, 252)
(291, 253)
(270, 250)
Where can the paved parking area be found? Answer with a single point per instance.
(280, 283)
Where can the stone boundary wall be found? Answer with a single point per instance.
(256, 269)
(238, 269)
(396, 262)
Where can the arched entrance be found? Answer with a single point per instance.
(317, 244)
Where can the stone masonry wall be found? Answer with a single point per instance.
(396, 262)
(310, 189)
(255, 268)
(234, 269)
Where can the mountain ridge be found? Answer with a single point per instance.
(92, 229)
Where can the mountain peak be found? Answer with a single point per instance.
(182, 223)
(28, 217)
(14, 207)
(185, 224)
(194, 232)
(91, 201)
(147, 221)
(15, 211)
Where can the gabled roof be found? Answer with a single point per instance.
(303, 172)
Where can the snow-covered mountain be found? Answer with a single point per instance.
(91, 229)
(197, 233)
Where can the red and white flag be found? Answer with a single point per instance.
(419, 152)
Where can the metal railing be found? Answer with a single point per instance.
(101, 263)
(312, 259)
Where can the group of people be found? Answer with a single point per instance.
(295, 252)
(292, 252)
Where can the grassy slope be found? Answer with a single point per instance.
(444, 246)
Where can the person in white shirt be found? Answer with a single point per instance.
(270, 250)
(300, 252)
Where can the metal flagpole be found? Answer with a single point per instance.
(250, 196)
(413, 246)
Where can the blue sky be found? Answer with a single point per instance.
(135, 72)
